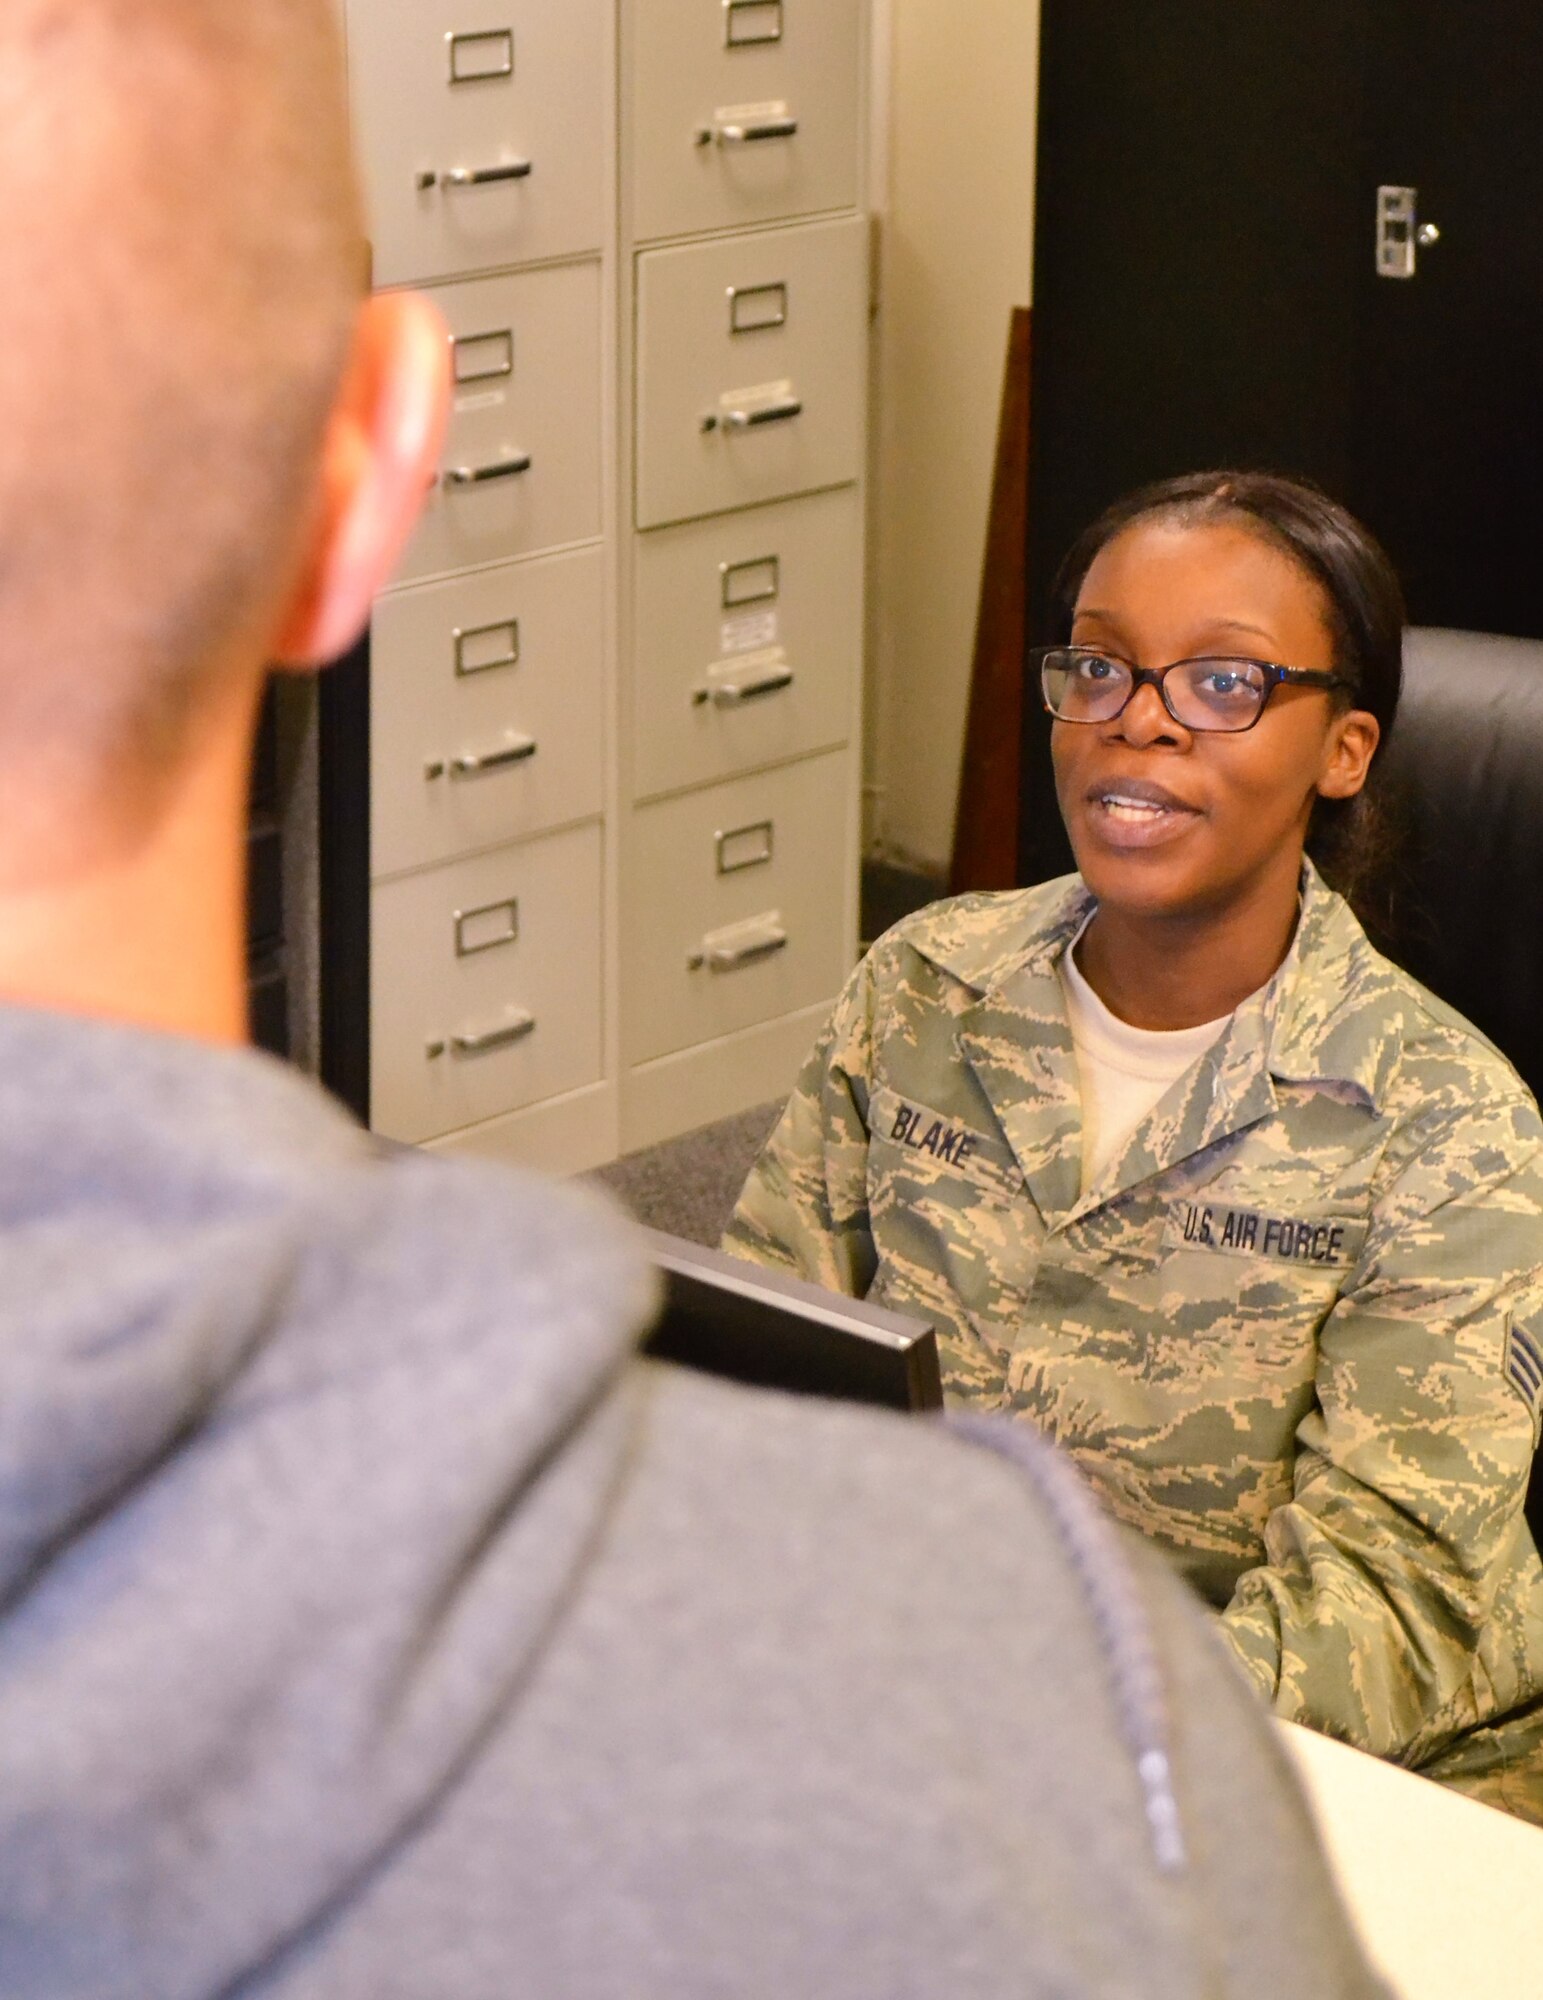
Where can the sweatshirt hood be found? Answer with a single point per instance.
(301, 1449)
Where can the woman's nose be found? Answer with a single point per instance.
(1145, 720)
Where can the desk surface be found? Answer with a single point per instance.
(1446, 1893)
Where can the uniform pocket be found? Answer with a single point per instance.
(1257, 1283)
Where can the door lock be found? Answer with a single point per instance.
(1400, 233)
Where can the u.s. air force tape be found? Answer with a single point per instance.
(1328, 1242)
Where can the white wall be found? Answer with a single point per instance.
(954, 186)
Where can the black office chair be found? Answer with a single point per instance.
(1464, 774)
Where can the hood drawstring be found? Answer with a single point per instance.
(1118, 1613)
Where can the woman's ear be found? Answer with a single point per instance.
(378, 462)
(1353, 740)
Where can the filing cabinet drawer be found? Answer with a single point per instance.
(751, 369)
(453, 101)
(735, 905)
(485, 709)
(521, 468)
(745, 112)
(748, 639)
(485, 985)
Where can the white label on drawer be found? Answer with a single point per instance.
(748, 634)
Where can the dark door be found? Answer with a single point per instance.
(1206, 286)
(1447, 464)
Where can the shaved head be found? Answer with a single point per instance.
(180, 264)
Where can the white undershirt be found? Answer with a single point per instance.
(1123, 1071)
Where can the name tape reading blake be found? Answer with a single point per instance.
(923, 1133)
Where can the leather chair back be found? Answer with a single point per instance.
(1464, 773)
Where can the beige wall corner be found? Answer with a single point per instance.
(954, 186)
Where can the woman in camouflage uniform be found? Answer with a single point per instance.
(1188, 1174)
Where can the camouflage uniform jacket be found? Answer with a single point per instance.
(1294, 1331)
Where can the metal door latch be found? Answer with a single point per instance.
(1400, 234)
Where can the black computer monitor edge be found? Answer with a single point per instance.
(773, 1330)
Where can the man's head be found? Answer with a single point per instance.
(191, 401)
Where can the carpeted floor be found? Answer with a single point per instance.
(688, 1186)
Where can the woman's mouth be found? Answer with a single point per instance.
(1135, 812)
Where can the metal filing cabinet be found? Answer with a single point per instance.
(482, 129)
(473, 926)
(522, 462)
(486, 978)
(485, 687)
(746, 257)
(593, 794)
(743, 112)
(750, 379)
(747, 639)
(734, 914)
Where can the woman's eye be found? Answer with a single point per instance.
(1222, 685)
(1091, 668)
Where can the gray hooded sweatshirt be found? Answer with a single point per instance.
(374, 1627)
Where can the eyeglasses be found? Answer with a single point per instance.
(1206, 694)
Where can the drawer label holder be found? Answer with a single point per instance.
(484, 55)
(479, 649)
(758, 580)
(487, 927)
(483, 357)
(757, 308)
(751, 24)
(745, 847)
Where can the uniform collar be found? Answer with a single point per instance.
(1336, 1007)
(986, 941)
(1324, 1018)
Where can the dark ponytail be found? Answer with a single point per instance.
(1350, 840)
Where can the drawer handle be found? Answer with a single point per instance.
(731, 958)
(747, 950)
(493, 1038)
(482, 1042)
(484, 475)
(469, 177)
(734, 693)
(747, 132)
(750, 416)
(476, 764)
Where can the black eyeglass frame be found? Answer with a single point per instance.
(1274, 674)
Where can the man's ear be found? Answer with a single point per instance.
(378, 461)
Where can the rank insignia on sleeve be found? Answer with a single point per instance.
(1524, 1366)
